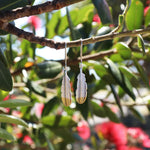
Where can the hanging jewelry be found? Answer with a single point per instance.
(65, 88)
(81, 91)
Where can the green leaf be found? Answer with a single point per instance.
(20, 64)
(48, 69)
(12, 103)
(5, 135)
(103, 11)
(114, 71)
(129, 74)
(111, 115)
(134, 16)
(52, 24)
(97, 110)
(147, 18)
(12, 4)
(120, 78)
(142, 73)
(12, 119)
(117, 99)
(58, 121)
(3, 94)
(50, 146)
(36, 88)
(141, 43)
(123, 50)
(137, 114)
(5, 78)
(50, 105)
(3, 58)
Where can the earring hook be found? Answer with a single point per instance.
(81, 50)
(65, 55)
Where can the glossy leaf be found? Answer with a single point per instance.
(120, 78)
(142, 72)
(12, 119)
(137, 114)
(12, 4)
(129, 74)
(50, 105)
(141, 43)
(3, 58)
(3, 94)
(111, 115)
(116, 96)
(12, 103)
(48, 69)
(58, 121)
(98, 110)
(52, 24)
(103, 11)
(123, 50)
(147, 17)
(5, 78)
(5, 135)
(36, 88)
(134, 16)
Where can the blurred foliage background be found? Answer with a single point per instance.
(32, 115)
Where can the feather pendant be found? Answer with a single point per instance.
(66, 90)
(81, 91)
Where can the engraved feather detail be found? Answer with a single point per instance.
(81, 91)
(66, 90)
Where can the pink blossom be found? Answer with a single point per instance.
(146, 143)
(113, 132)
(96, 18)
(37, 109)
(146, 10)
(35, 21)
(27, 139)
(134, 148)
(83, 130)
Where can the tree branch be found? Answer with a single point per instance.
(34, 10)
(59, 45)
(74, 61)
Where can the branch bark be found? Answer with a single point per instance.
(72, 62)
(59, 45)
(35, 10)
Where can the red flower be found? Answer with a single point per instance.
(146, 143)
(96, 18)
(35, 21)
(146, 10)
(27, 139)
(134, 148)
(114, 132)
(83, 130)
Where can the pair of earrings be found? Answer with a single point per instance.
(81, 91)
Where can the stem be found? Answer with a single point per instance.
(59, 45)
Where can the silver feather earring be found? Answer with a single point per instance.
(81, 91)
(65, 88)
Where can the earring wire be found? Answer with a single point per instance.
(65, 55)
(81, 50)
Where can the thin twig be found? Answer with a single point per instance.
(123, 104)
(59, 45)
(71, 61)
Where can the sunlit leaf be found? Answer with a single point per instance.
(12, 119)
(5, 135)
(134, 16)
(97, 110)
(12, 103)
(141, 43)
(111, 115)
